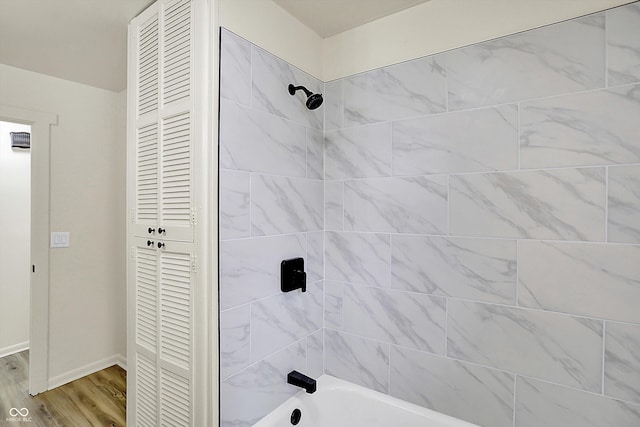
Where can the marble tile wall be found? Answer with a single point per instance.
(271, 208)
(482, 227)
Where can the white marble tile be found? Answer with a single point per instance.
(314, 263)
(409, 89)
(622, 361)
(594, 128)
(358, 360)
(334, 205)
(333, 302)
(315, 154)
(315, 354)
(550, 346)
(235, 68)
(254, 392)
(233, 207)
(402, 205)
(254, 141)
(397, 317)
(469, 392)
(250, 268)
(553, 204)
(581, 278)
(468, 141)
(333, 110)
(359, 152)
(234, 340)
(281, 320)
(281, 205)
(624, 204)
(478, 269)
(560, 58)
(271, 78)
(362, 258)
(542, 404)
(623, 44)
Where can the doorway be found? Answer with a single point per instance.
(15, 220)
(38, 342)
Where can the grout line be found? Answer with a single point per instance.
(604, 339)
(518, 135)
(389, 370)
(390, 282)
(343, 198)
(250, 204)
(251, 48)
(496, 304)
(606, 48)
(606, 204)
(448, 205)
(342, 102)
(250, 334)
(446, 326)
(445, 58)
(261, 299)
(515, 388)
(517, 301)
(468, 237)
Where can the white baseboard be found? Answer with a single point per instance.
(121, 361)
(59, 380)
(12, 349)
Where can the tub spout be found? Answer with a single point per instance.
(300, 380)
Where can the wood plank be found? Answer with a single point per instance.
(97, 400)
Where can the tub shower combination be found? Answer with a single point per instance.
(338, 403)
(461, 232)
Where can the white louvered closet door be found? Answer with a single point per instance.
(162, 385)
(162, 274)
(164, 205)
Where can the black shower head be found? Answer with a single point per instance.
(314, 100)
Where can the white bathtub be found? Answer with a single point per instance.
(339, 403)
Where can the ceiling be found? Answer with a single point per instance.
(330, 17)
(79, 40)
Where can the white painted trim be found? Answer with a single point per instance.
(121, 360)
(83, 371)
(13, 349)
(40, 204)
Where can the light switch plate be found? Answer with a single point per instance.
(59, 239)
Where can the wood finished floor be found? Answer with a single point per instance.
(97, 400)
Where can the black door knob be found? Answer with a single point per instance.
(161, 230)
(160, 245)
(151, 230)
(149, 243)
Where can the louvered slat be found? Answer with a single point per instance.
(175, 398)
(175, 309)
(176, 170)
(148, 67)
(146, 298)
(147, 392)
(177, 51)
(147, 174)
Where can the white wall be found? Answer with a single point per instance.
(268, 26)
(440, 25)
(432, 27)
(87, 280)
(15, 214)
